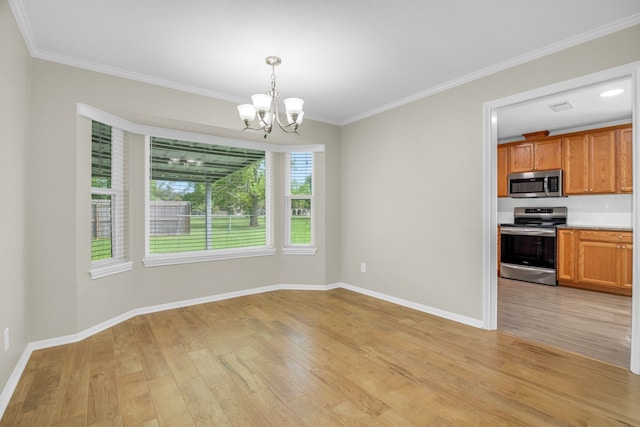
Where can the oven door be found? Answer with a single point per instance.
(528, 246)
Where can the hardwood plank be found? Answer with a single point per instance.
(209, 368)
(203, 406)
(179, 364)
(136, 405)
(170, 407)
(72, 395)
(127, 357)
(103, 406)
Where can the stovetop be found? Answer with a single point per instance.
(534, 224)
(538, 217)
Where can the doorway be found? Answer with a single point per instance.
(491, 109)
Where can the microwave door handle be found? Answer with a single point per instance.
(546, 185)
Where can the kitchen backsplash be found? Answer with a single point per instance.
(613, 210)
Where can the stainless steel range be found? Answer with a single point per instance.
(528, 246)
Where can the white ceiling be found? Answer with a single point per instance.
(587, 108)
(348, 59)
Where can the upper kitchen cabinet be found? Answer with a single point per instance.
(625, 161)
(502, 171)
(589, 162)
(535, 155)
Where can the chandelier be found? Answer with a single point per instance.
(265, 106)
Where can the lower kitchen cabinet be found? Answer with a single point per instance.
(566, 266)
(599, 260)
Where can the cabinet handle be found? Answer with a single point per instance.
(618, 247)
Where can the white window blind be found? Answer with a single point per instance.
(206, 198)
(300, 203)
(109, 212)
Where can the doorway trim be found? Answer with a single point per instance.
(490, 192)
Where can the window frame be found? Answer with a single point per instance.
(119, 260)
(152, 260)
(290, 248)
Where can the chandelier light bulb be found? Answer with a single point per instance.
(298, 119)
(261, 102)
(247, 112)
(293, 105)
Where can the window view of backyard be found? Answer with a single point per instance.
(205, 197)
(108, 194)
(299, 193)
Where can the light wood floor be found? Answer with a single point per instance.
(593, 324)
(308, 358)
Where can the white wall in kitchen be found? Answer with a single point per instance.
(611, 210)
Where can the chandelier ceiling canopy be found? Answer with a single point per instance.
(265, 107)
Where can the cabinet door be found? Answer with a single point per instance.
(520, 157)
(566, 265)
(598, 263)
(602, 166)
(548, 154)
(625, 161)
(626, 266)
(502, 171)
(575, 162)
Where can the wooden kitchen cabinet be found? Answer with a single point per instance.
(502, 171)
(625, 160)
(566, 255)
(599, 260)
(589, 163)
(547, 154)
(535, 155)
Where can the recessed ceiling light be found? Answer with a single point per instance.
(612, 92)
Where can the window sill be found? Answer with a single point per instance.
(203, 256)
(302, 250)
(109, 269)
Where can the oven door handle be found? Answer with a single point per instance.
(528, 231)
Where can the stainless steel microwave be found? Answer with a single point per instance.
(535, 184)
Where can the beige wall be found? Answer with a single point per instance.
(64, 299)
(14, 172)
(412, 182)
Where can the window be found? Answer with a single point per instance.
(109, 252)
(206, 202)
(300, 205)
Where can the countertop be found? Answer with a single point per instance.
(596, 227)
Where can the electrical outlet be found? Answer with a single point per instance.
(6, 339)
(363, 267)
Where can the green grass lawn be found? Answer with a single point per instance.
(227, 232)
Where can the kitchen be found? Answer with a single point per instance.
(576, 146)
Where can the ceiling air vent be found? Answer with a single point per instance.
(562, 106)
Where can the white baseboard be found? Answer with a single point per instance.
(12, 383)
(415, 306)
